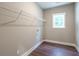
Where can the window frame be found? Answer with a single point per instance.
(54, 20)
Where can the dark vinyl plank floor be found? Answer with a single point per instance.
(53, 49)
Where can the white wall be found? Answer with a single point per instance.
(77, 23)
(66, 34)
(16, 37)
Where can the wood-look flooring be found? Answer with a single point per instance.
(53, 49)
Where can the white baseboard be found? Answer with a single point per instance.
(32, 49)
(63, 43)
(77, 48)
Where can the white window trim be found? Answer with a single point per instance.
(53, 20)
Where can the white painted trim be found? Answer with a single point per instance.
(63, 43)
(76, 48)
(32, 49)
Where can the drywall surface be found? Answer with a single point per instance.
(18, 27)
(66, 34)
(77, 23)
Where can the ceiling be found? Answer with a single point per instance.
(46, 5)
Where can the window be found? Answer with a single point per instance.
(58, 20)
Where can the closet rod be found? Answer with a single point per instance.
(22, 25)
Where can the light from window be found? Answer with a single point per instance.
(58, 20)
